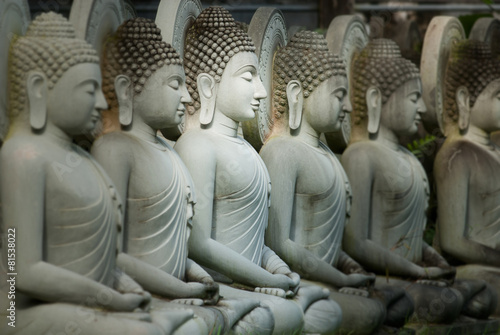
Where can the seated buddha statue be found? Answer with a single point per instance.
(466, 165)
(311, 194)
(390, 190)
(58, 200)
(144, 80)
(231, 181)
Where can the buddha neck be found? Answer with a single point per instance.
(478, 135)
(387, 137)
(223, 125)
(141, 130)
(50, 132)
(306, 134)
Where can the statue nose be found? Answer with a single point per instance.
(421, 106)
(260, 90)
(347, 105)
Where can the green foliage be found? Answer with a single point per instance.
(469, 20)
(418, 148)
(429, 233)
(320, 31)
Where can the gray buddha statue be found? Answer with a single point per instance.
(466, 165)
(390, 190)
(64, 209)
(232, 183)
(311, 195)
(144, 81)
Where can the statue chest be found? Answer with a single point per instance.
(156, 220)
(399, 203)
(320, 173)
(151, 173)
(484, 177)
(484, 198)
(82, 217)
(238, 166)
(74, 182)
(398, 175)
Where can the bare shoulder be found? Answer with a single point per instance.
(283, 148)
(361, 154)
(113, 142)
(197, 148)
(456, 154)
(24, 152)
(196, 142)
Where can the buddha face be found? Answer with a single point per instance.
(402, 112)
(75, 101)
(326, 107)
(240, 88)
(161, 101)
(485, 114)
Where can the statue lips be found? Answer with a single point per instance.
(255, 106)
(95, 117)
(341, 117)
(181, 110)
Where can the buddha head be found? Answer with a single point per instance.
(387, 91)
(310, 84)
(472, 87)
(221, 68)
(54, 78)
(143, 77)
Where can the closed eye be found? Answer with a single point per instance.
(414, 97)
(247, 76)
(174, 84)
(340, 94)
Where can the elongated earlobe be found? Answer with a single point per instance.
(295, 103)
(374, 108)
(37, 98)
(207, 90)
(124, 95)
(463, 103)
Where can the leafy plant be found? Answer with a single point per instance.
(421, 147)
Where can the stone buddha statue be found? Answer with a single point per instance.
(466, 166)
(390, 189)
(231, 181)
(145, 81)
(311, 195)
(59, 201)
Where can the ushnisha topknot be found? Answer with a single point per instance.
(210, 43)
(471, 64)
(137, 51)
(305, 58)
(380, 64)
(49, 46)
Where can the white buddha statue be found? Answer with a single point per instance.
(466, 166)
(145, 81)
(64, 209)
(311, 195)
(231, 181)
(390, 190)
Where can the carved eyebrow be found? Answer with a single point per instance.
(246, 68)
(340, 88)
(93, 81)
(415, 91)
(174, 76)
